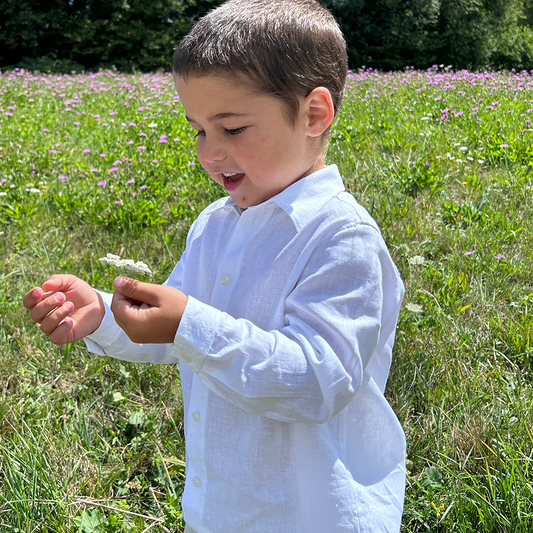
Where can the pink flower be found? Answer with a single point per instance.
(94, 170)
(500, 256)
(118, 202)
(102, 183)
(86, 151)
(103, 155)
(141, 147)
(143, 187)
(130, 181)
(114, 169)
(469, 253)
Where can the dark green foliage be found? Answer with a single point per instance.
(67, 35)
(64, 35)
(391, 34)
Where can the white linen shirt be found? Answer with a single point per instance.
(285, 348)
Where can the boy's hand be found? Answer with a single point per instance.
(69, 311)
(147, 312)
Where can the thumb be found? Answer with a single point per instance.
(59, 282)
(136, 290)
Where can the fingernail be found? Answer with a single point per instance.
(58, 298)
(119, 282)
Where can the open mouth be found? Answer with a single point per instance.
(231, 180)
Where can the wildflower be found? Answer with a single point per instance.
(504, 145)
(103, 155)
(118, 202)
(141, 147)
(94, 170)
(417, 260)
(470, 252)
(113, 169)
(86, 151)
(129, 142)
(499, 257)
(414, 308)
(126, 264)
(130, 181)
(102, 183)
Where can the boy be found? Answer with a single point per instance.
(282, 309)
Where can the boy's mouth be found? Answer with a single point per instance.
(231, 180)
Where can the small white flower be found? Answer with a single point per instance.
(417, 260)
(414, 308)
(33, 189)
(3, 193)
(126, 264)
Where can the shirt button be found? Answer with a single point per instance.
(196, 481)
(196, 416)
(225, 280)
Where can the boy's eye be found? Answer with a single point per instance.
(200, 133)
(234, 131)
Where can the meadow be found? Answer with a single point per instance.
(105, 162)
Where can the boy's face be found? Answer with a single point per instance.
(245, 140)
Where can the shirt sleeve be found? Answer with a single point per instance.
(308, 370)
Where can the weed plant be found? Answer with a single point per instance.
(105, 163)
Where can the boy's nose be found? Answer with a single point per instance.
(212, 151)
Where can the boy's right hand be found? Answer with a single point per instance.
(70, 310)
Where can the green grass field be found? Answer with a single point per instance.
(105, 163)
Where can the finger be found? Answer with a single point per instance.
(59, 282)
(51, 321)
(64, 333)
(137, 290)
(32, 298)
(47, 305)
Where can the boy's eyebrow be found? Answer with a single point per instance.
(220, 116)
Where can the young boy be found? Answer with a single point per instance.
(282, 310)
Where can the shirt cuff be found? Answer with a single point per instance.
(108, 332)
(196, 333)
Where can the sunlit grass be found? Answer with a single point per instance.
(104, 163)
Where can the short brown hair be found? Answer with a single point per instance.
(286, 47)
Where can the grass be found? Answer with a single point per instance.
(104, 162)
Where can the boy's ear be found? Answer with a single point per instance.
(320, 111)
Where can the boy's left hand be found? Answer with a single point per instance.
(147, 312)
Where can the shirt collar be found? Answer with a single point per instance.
(304, 198)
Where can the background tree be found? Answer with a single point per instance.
(63, 35)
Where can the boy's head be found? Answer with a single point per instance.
(261, 81)
(283, 48)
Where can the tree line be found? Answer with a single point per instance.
(140, 35)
